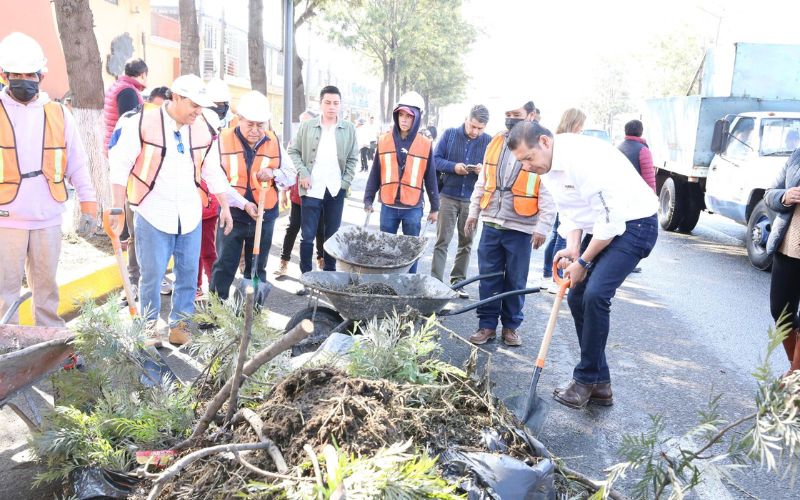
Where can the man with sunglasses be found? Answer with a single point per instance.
(157, 164)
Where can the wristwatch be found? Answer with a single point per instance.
(584, 264)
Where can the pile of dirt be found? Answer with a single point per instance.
(368, 288)
(322, 405)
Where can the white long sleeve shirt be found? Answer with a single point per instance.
(595, 188)
(173, 206)
(326, 174)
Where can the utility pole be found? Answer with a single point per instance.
(288, 50)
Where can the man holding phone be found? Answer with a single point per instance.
(459, 155)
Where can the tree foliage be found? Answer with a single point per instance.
(414, 44)
(610, 92)
(671, 62)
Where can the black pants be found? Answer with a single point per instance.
(294, 228)
(229, 252)
(784, 290)
(364, 159)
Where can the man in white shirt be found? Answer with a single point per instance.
(608, 217)
(157, 165)
(325, 153)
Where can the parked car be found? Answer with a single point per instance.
(600, 134)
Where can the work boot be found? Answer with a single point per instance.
(511, 338)
(601, 395)
(180, 334)
(575, 395)
(283, 269)
(482, 336)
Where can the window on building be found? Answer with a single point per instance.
(236, 62)
(210, 56)
(279, 69)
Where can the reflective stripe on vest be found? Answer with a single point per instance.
(54, 155)
(234, 163)
(409, 185)
(145, 169)
(525, 188)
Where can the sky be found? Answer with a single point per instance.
(545, 51)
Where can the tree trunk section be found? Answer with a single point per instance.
(190, 38)
(85, 74)
(391, 97)
(299, 91)
(255, 47)
(383, 94)
(84, 68)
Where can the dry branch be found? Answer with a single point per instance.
(262, 357)
(245, 341)
(258, 426)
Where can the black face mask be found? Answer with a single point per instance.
(510, 122)
(221, 110)
(23, 90)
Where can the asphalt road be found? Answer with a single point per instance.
(693, 324)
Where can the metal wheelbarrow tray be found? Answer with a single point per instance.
(365, 251)
(423, 293)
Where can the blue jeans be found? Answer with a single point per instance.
(508, 251)
(230, 251)
(554, 244)
(153, 250)
(590, 300)
(411, 218)
(311, 209)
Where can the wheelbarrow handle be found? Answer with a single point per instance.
(475, 305)
(467, 281)
(13, 307)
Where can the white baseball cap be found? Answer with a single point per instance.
(192, 88)
(254, 106)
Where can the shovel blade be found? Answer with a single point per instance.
(261, 292)
(531, 412)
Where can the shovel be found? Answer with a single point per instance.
(114, 236)
(261, 289)
(535, 407)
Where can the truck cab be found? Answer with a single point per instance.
(750, 150)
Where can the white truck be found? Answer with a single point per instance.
(719, 151)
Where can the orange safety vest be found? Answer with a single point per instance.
(54, 155)
(525, 188)
(145, 170)
(410, 185)
(268, 154)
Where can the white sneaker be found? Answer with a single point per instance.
(546, 282)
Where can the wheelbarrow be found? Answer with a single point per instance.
(365, 251)
(27, 355)
(354, 298)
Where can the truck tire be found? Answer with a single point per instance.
(672, 202)
(694, 205)
(758, 227)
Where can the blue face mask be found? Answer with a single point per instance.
(23, 90)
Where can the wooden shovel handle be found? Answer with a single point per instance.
(563, 284)
(262, 199)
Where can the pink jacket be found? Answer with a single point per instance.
(34, 206)
(110, 110)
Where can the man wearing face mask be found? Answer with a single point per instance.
(41, 149)
(219, 116)
(517, 213)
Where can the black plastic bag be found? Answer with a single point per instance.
(499, 477)
(95, 483)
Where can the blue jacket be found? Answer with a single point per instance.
(402, 145)
(456, 147)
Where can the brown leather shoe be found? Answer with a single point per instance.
(482, 336)
(180, 334)
(511, 338)
(601, 395)
(575, 395)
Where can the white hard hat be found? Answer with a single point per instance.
(192, 88)
(411, 99)
(254, 106)
(218, 90)
(513, 103)
(20, 53)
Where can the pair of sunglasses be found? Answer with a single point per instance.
(180, 141)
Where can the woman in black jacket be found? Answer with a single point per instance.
(784, 245)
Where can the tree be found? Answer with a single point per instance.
(672, 61)
(415, 45)
(609, 93)
(85, 74)
(255, 47)
(190, 38)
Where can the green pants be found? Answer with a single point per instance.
(452, 213)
